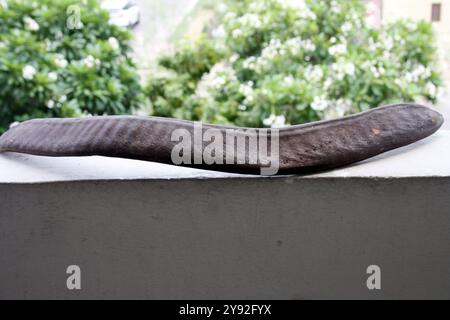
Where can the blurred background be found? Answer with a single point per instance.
(266, 63)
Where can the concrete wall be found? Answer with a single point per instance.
(417, 9)
(198, 235)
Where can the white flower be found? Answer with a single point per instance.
(349, 68)
(250, 20)
(219, 32)
(342, 68)
(293, 45)
(268, 121)
(330, 113)
(249, 63)
(257, 6)
(50, 104)
(431, 89)
(337, 109)
(234, 57)
(319, 103)
(279, 122)
(48, 44)
(308, 45)
(230, 15)
(389, 43)
(248, 100)
(310, 14)
(28, 72)
(236, 33)
(60, 61)
(113, 43)
(372, 45)
(218, 82)
(288, 80)
(346, 27)
(31, 24)
(314, 73)
(335, 7)
(53, 76)
(342, 106)
(63, 99)
(246, 89)
(214, 81)
(59, 35)
(90, 61)
(275, 121)
(300, 6)
(400, 82)
(419, 72)
(375, 72)
(337, 49)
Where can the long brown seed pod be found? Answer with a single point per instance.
(302, 148)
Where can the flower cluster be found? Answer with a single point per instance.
(293, 61)
(30, 24)
(274, 121)
(48, 70)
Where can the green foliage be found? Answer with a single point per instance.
(51, 66)
(168, 93)
(274, 62)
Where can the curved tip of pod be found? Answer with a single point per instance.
(428, 119)
(437, 118)
(434, 117)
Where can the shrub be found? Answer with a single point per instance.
(273, 63)
(183, 71)
(52, 65)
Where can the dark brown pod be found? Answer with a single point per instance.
(302, 148)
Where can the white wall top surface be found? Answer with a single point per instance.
(426, 158)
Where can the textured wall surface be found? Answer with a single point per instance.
(227, 237)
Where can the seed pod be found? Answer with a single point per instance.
(302, 148)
